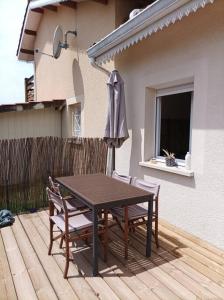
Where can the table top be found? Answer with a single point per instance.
(99, 190)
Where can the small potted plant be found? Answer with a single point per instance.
(170, 159)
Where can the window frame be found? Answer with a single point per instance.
(76, 112)
(166, 92)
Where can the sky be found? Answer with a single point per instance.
(12, 71)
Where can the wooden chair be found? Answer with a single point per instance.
(123, 178)
(72, 203)
(137, 213)
(153, 188)
(73, 226)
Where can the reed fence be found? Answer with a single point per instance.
(25, 165)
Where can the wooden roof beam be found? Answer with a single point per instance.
(30, 32)
(51, 7)
(70, 4)
(26, 51)
(101, 1)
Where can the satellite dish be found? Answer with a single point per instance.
(57, 42)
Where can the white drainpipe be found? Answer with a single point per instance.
(95, 65)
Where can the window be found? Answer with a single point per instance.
(77, 121)
(173, 123)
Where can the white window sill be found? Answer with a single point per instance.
(180, 170)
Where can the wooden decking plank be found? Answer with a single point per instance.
(111, 278)
(2, 288)
(205, 261)
(201, 279)
(98, 284)
(7, 285)
(3, 291)
(197, 288)
(22, 281)
(37, 274)
(204, 270)
(180, 240)
(156, 286)
(169, 252)
(193, 238)
(61, 286)
(134, 283)
(153, 266)
(100, 287)
(207, 271)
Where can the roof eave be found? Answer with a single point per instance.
(23, 106)
(155, 17)
(30, 14)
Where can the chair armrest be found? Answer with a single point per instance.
(78, 212)
(72, 201)
(68, 197)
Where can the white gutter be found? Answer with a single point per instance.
(153, 18)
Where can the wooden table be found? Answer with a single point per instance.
(98, 192)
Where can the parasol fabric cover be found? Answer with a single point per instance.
(116, 131)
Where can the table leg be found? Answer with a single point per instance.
(105, 234)
(149, 229)
(126, 229)
(95, 242)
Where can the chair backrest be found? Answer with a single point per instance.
(55, 187)
(123, 178)
(147, 186)
(56, 199)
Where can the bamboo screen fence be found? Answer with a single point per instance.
(25, 165)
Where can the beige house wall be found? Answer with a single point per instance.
(71, 76)
(189, 51)
(30, 123)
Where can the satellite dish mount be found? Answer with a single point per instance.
(58, 42)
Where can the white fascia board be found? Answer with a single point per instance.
(41, 3)
(153, 18)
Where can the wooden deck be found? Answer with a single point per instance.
(184, 267)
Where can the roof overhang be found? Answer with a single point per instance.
(153, 18)
(56, 104)
(31, 21)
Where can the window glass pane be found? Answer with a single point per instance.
(175, 124)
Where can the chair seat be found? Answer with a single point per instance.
(73, 203)
(76, 223)
(134, 212)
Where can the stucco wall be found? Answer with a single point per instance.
(30, 123)
(71, 75)
(190, 50)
